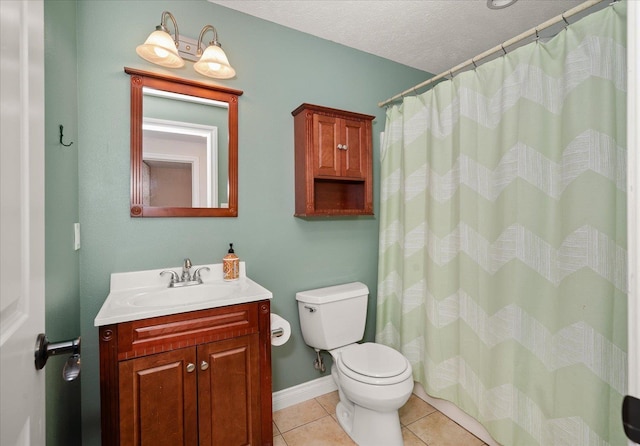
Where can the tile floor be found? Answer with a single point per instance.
(313, 423)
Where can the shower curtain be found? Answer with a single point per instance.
(502, 262)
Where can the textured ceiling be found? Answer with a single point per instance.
(432, 35)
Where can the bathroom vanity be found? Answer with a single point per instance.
(191, 371)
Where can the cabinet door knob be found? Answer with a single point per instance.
(191, 367)
(340, 147)
(344, 147)
(204, 365)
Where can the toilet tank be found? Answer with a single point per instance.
(334, 316)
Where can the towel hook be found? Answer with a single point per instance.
(61, 136)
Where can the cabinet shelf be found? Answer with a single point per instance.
(333, 162)
(334, 197)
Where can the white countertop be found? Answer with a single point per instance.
(144, 294)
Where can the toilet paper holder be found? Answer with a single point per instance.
(280, 330)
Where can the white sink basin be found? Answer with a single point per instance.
(144, 294)
(184, 295)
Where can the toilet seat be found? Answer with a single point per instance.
(372, 363)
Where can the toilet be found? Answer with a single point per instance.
(373, 380)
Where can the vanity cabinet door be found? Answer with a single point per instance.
(158, 399)
(354, 156)
(229, 393)
(339, 147)
(326, 137)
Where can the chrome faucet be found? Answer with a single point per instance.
(186, 271)
(186, 279)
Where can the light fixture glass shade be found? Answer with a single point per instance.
(160, 49)
(499, 4)
(214, 63)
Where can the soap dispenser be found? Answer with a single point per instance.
(231, 265)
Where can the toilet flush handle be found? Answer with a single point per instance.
(311, 309)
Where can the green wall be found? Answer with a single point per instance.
(62, 282)
(278, 69)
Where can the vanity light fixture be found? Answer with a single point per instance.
(213, 62)
(162, 49)
(499, 4)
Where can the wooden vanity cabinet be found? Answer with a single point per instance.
(200, 378)
(333, 162)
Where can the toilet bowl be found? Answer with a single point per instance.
(373, 380)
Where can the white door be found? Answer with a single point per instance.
(22, 391)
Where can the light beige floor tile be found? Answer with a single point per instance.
(307, 423)
(413, 410)
(438, 430)
(409, 438)
(279, 441)
(329, 401)
(322, 432)
(297, 415)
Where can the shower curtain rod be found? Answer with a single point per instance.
(473, 61)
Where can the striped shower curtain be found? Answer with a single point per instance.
(502, 265)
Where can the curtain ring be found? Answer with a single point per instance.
(502, 46)
(537, 35)
(565, 19)
(474, 64)
(451, 74)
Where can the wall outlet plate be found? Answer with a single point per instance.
(76, 236)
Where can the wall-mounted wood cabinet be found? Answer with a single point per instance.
(200, 378)
(333, 162)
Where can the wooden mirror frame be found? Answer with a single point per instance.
(188, 87)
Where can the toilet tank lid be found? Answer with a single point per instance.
(333, 293)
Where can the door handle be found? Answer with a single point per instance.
(631, 418)
(204, 365)
(44, 349)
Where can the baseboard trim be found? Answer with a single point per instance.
(302, 392)
(452, 411)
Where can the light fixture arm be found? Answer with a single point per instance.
(163, 26)
(213, 42)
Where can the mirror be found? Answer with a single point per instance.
(184, 147)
